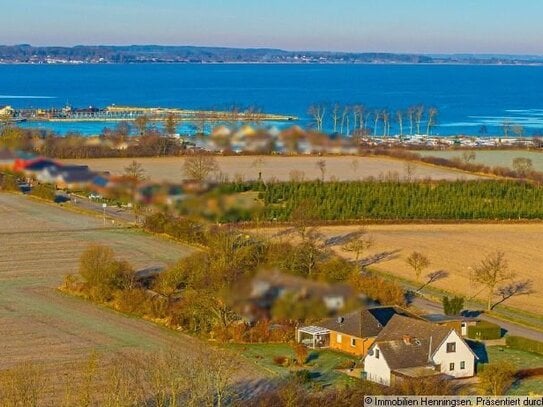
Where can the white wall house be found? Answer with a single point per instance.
(455, 357)
(376, 367)
(412, 348)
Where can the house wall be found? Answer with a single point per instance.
(377, 369)
(462, 354)
(361, 345)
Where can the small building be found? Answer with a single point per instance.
(411, 348)
(457, 322)
(353, 333)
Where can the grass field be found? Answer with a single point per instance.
(502, 158)
(455, 248)
(41, 243)
(321, 364)
(342, 168)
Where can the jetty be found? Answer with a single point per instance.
(128, 113)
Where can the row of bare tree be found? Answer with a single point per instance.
(357, 119)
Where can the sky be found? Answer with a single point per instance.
(419, 26)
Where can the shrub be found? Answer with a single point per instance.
(44, 191)
(302, 376)
(496, 378)
(452, 306)
(484, 331)
(525, 344)
(281, 361)
(301, 353)
(8, 182)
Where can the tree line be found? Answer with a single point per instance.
(357, 119)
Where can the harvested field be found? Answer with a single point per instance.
(39, 244)
(493, 158)
(280, 168)
(455, 248)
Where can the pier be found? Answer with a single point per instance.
(129, 113)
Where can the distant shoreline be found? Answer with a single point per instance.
(534, 64)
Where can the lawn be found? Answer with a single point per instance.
(321, 364)
(521, 360)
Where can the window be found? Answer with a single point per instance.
(451, 347)
(338, 338)
(451, 366)
(462, 365)
(353, 342)
(376, 353)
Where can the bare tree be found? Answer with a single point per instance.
(317, 112)
(523, 165)
(345, 120)
(321, 165)
(399, 120)
(376, 118)
(141, 123)
(170, 124)
(358, 243)
(418, 262)
(386, 122)
(200, 166)
(491, 272)
(468, 156)
(419, 112)
(432, 114)
(411, 117)
(258, 163)
(135, 171)
(410, 170)
(335, 116)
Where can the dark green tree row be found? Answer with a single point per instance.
(399, 200)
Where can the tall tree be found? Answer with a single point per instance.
(399, 120)
(432, 115)
(419, 112)
(317, 112)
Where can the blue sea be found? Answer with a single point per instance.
(467, 97)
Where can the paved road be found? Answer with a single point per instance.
(511, 327)
(111, 212)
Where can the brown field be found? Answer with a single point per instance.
(41, 243)
(278, 167)
(456, 248)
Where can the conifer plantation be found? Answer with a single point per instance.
(392, 200)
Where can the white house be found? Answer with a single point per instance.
(410, 348)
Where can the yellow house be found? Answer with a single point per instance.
(352, 333)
